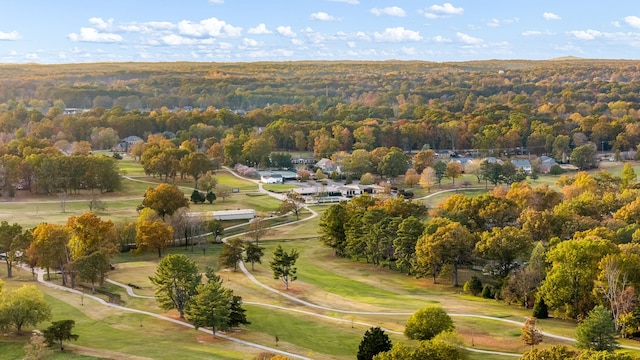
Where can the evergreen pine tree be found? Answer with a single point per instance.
(473, 286)
(197, 197)
(374, 342)
(597, 331)
(237, 314)
(540, 310)
(210, 197)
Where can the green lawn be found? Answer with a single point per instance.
(29, 214)
(432, 201)
(114, 330)
(323, 279)
(129, 167)
(279, 188)
(226, 178)
(303, 331)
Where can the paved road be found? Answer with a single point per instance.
(41, 272)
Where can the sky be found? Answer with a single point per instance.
(73, 31)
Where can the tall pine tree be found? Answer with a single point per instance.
(374, 342)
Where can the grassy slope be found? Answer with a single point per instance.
(323, 279)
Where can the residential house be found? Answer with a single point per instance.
(492, 160)
(125, 144)
(327, 166)
(523, 165)
(462, 161)
(546, 163)
(445, 154)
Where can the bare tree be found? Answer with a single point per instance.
(223, 191)
(294, 202)
(258, 228)
(614, 285)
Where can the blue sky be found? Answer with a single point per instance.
(69, 31)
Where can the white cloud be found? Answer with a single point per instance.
(249, 42)
(397, 34)
(208, 27)
(270, 54)
(536, 33)
(408, 50)
(92, 35)
(318, 38)
(570, 48)
(297, 42)
(225, 46)
(177, 40)
(441, 39)
(261, 29)
(285, 31)
(31, 56)
(352, 2)
(351, 44)
(100, 23)
(13, 35)
(365, 53)
(161, 25)
(440, 11)
(148, 27)
(322, 16)
(550, 16)
(493, 23)
(633, 21)
(616, 24)
(216, 1)
(391, 11)
(362, 35)
(586, 34)
(468, 39)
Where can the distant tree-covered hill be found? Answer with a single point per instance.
(246, 86)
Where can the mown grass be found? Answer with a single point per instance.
(30, 214)
(494, 335)
(30, 210)
(304, 331)
(225, 178)
(13, 348)
(433, 200)
(279, 188)
(120, 331)
(128, 166)
(322, 278)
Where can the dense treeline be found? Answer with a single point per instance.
(571, 249)
(255, 85)
(495, 107)
(48, 171)
(565, 109)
